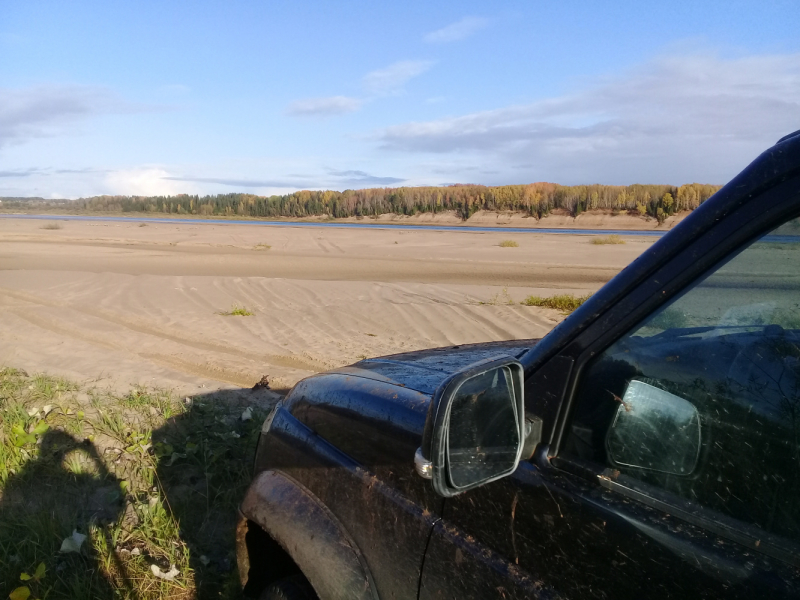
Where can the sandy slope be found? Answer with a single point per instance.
(121, 304)
(559, 220)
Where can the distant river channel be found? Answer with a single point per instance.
(341, 225)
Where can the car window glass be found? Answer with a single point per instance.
(703, 398)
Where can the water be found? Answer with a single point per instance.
(462, 228)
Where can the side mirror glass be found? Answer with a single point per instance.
(475, 430)
(654, 430)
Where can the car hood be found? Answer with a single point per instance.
(375, 410)
(424, 370)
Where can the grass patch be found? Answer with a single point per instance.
(262, 247)
(150, 480)
(608, 239)
(563, 302)
(52, 226)
(508, 244)
(237, 311)
(499, 298)
(142, 224)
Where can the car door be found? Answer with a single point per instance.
(674, 464)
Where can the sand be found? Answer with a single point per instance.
(556, 220)
(119, 304)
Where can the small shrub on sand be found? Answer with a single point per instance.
(237, 311)
(509, 244)
(262, 247)
(563, 302)
(608, 239)
(499, 298)
(52, 226)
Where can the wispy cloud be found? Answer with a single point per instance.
(361, 178)
(381, 82)
(392, 79)
(324, 107)
(332, 178)
(656, 122)
(456, 31)
(45, 110)
(237, 182)
(20, 172)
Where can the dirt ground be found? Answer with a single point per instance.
(118, 304)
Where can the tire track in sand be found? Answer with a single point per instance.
(283, 361)
(207, 371)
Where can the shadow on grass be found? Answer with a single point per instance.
(65, 489)
(153, 481)
(205, 460)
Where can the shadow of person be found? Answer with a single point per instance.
(204, 464)
(66, 489)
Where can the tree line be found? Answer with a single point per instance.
(536, 199)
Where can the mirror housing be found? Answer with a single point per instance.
(475, 430)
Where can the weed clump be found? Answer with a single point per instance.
(508, 244)
(237, 311)
(499, 298)
(608, 239)
(52, 226)
(262, 247)
(563, 302)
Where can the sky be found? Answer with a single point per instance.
(145, 98)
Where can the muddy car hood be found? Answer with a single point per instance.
(424, 370)
(375, 410)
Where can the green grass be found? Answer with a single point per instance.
(148, 478)
(262, 247)
(608, 239)
(508, 244)
(563, 302)
(237, 311)
(52, 226)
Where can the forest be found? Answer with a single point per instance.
(536, 199)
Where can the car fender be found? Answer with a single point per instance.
(307, 530)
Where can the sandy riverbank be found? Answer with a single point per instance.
(558, 219)
(120, 303)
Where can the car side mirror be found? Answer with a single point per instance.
(654, 430)
(475, 428)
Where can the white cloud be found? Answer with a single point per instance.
(670, 120)
(392, 79)
(46, 110)
(145, 181)
(382, 82)
(324, 107)
(456, 31)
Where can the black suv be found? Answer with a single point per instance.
(648, 447)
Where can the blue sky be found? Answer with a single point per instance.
(268, 97)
